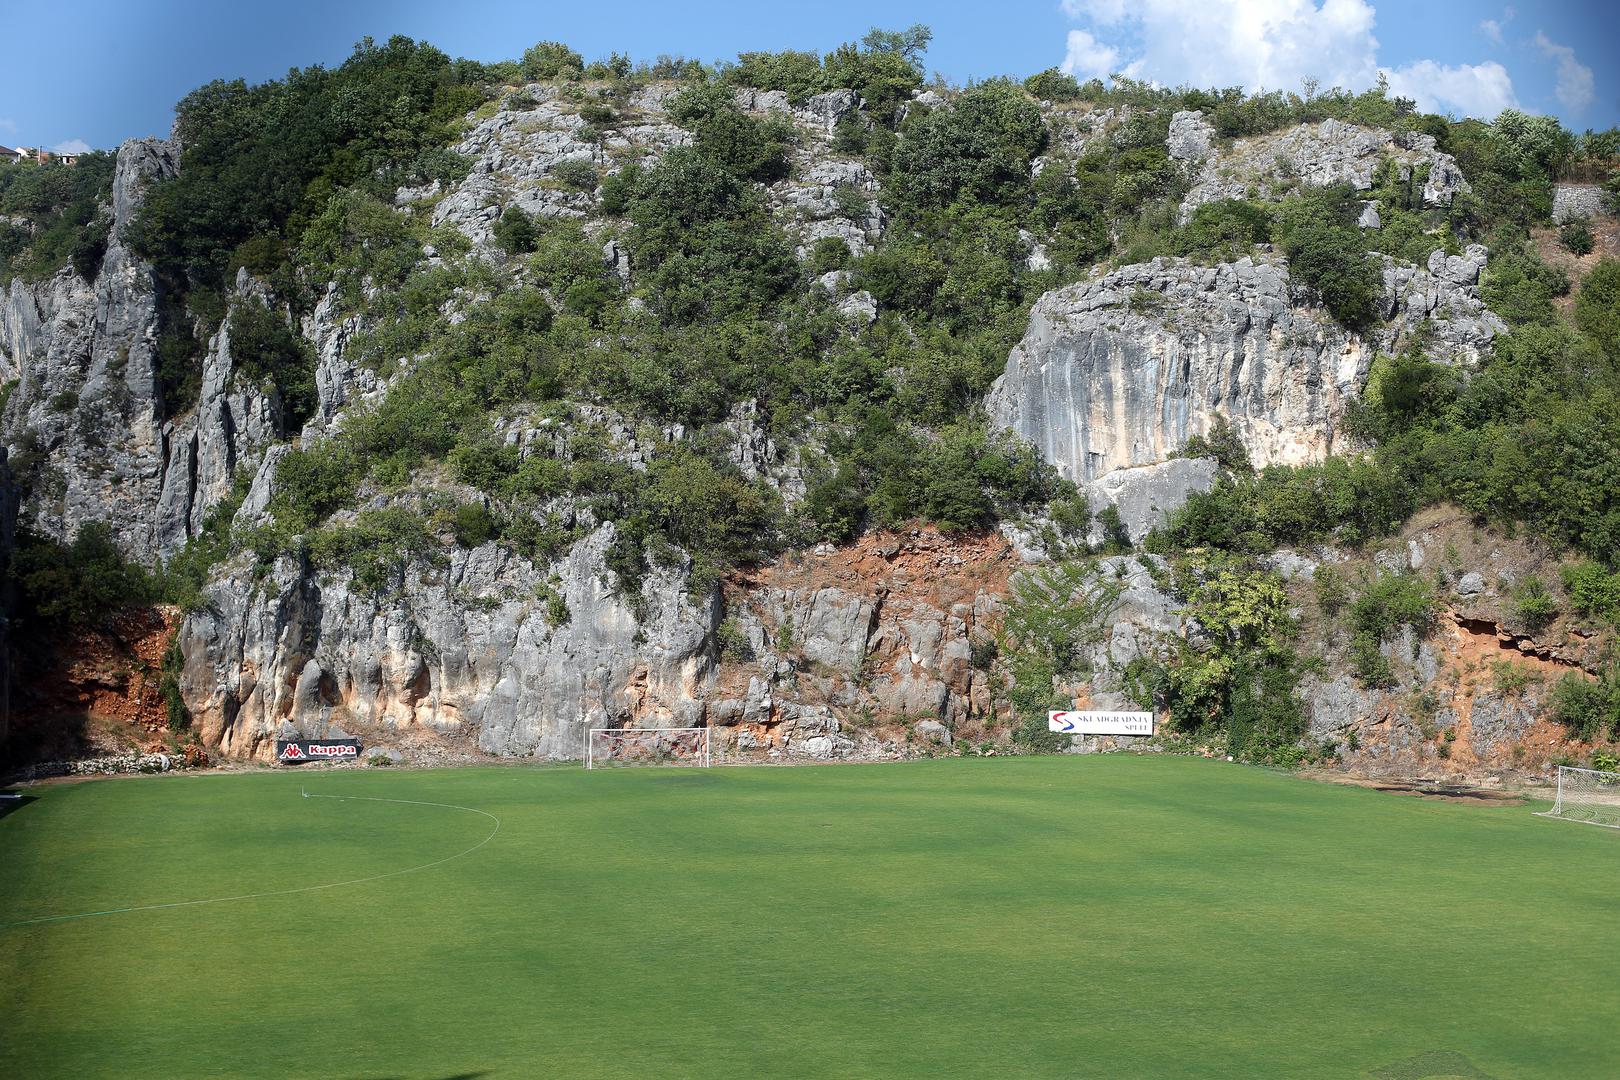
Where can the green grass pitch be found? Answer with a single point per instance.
(1053, 917)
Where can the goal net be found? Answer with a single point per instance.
(1587, 795)
(608, 747)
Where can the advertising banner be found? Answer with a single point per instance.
(299, 751)
(1077, 722)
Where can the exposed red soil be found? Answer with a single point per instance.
(97, 690)
(921, 565)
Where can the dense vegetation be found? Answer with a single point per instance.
(54, 215)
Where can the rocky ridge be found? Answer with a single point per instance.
(1312, 155)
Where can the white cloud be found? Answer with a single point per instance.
(1088, 57)
(72, 146)
(1269, 45)
(1575, 85)
(1477, 90)
(1492, 28)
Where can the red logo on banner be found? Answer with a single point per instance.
(290, 752)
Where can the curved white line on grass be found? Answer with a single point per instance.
(291, 892)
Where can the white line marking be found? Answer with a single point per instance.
(291, 892)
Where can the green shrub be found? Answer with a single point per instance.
(1332, 591)
(1534, 605)
(797, 74)
(1597, 306)
(1576, 236)
(978, 148)
(1332, 261)
(473, 525)
(1394, 601)
(1589, 709)
(1225, 229)
(1593, 591)
(550, 60)
(576, 173)
(1518, 286)
(268, 351)
(1053, 85)
(76, 584)
(515, 231)
(174, 703)
(828, 254)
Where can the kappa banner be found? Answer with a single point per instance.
(1076, 722)
(298, 751)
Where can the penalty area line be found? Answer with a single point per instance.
(302, 889)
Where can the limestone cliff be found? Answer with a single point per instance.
(88, 396)
(1122, 369)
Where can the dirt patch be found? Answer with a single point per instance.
(921, 566)
(1446, 790)
(96, 691)
(1606, 245)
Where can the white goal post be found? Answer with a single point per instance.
(613, 747)
(1590, 796)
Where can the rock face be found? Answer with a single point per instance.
(516, 154)
(1191, 137)
(1144, 496)
(1315, 155)
(1122, 369)
(465, 649)
(883, 628)
(8, 534)
(85, 357)
(86, 361)
(1574, 202)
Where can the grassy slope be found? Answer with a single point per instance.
(1107, 917)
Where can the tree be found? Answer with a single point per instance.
(979, 149)
(514, 231)
(1053, 85)
(1597, 306)
(549, 59)
(909, 44)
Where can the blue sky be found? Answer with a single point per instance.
(98, 71)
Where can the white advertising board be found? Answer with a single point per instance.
(1078, 722)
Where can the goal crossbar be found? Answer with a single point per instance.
(687, 746)
(1589, 796)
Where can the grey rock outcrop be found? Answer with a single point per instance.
(1319, 155)
(1122, 369)
(8, 535)
(1191, 137)
(515, 155)
(1146, 495)
(464, 649)
(829, 197)
(1577, 202)
(88, 393)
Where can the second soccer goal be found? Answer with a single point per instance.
(614, 747)
(1588, 795)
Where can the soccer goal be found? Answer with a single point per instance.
(607, 747)
(1587, 795)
